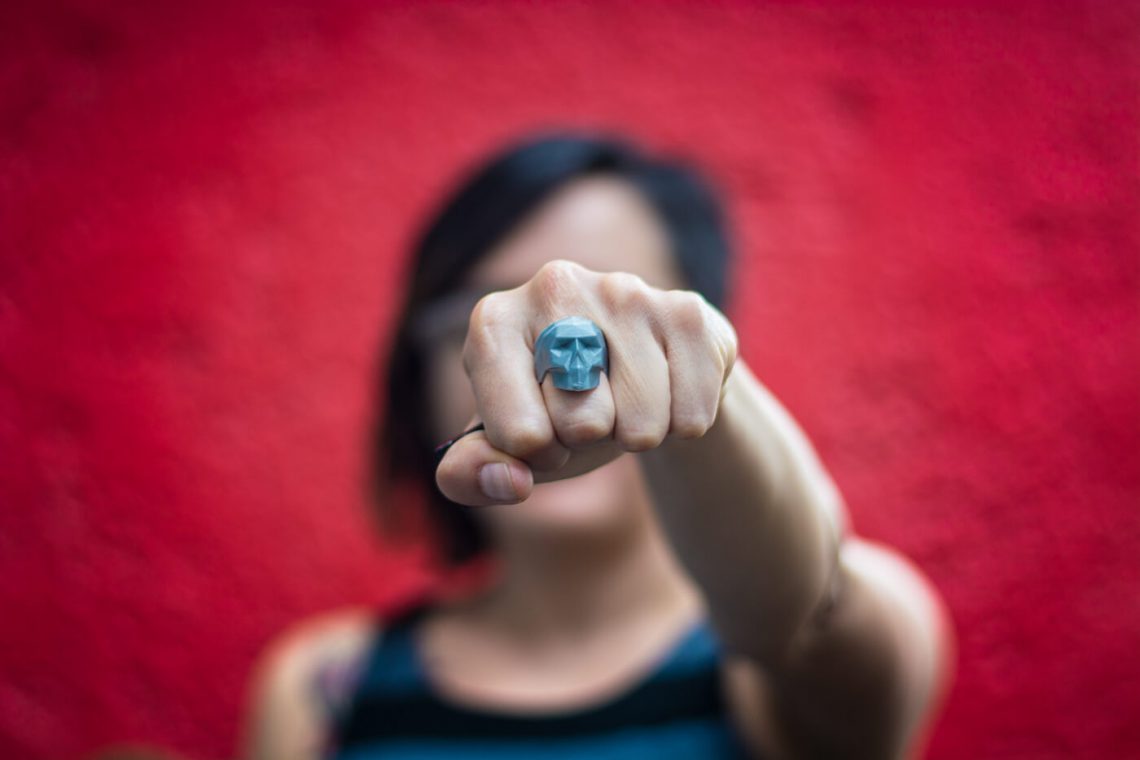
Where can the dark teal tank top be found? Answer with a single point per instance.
(675, 712)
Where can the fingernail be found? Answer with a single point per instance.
(495, 482)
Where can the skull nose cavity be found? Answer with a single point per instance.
(578, 369)
(577, 359)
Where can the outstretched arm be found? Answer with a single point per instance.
(852, 656)
(753, 516)
(842, 648)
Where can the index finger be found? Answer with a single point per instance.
(499, 361)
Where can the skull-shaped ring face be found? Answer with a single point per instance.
(573, 351)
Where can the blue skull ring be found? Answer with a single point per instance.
(573, 351)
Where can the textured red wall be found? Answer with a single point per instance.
(203, 212)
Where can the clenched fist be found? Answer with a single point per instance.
(670, 353)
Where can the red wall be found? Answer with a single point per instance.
(203, 213)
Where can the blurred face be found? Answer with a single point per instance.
(605, 225)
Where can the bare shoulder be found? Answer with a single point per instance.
(868, 682)
(301, 681)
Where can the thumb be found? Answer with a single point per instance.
(473, 472)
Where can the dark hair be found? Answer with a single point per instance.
(480, 213)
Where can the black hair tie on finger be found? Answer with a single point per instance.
(441, 450)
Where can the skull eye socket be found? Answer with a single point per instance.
(570, 344)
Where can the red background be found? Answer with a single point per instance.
(203, 216)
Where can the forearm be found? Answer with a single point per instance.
(752, 515)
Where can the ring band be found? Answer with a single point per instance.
(573, 352)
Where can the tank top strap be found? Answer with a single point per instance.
(393, 667)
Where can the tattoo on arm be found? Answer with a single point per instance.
(333, 684)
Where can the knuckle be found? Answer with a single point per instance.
(555, 280)
(688, 312)
(489, 310)
(689, 426)
(580, 430)
(523, 438)
(640, 439)
(621, 291)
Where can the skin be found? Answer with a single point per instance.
(680, 487)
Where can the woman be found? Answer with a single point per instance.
(674, 574)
